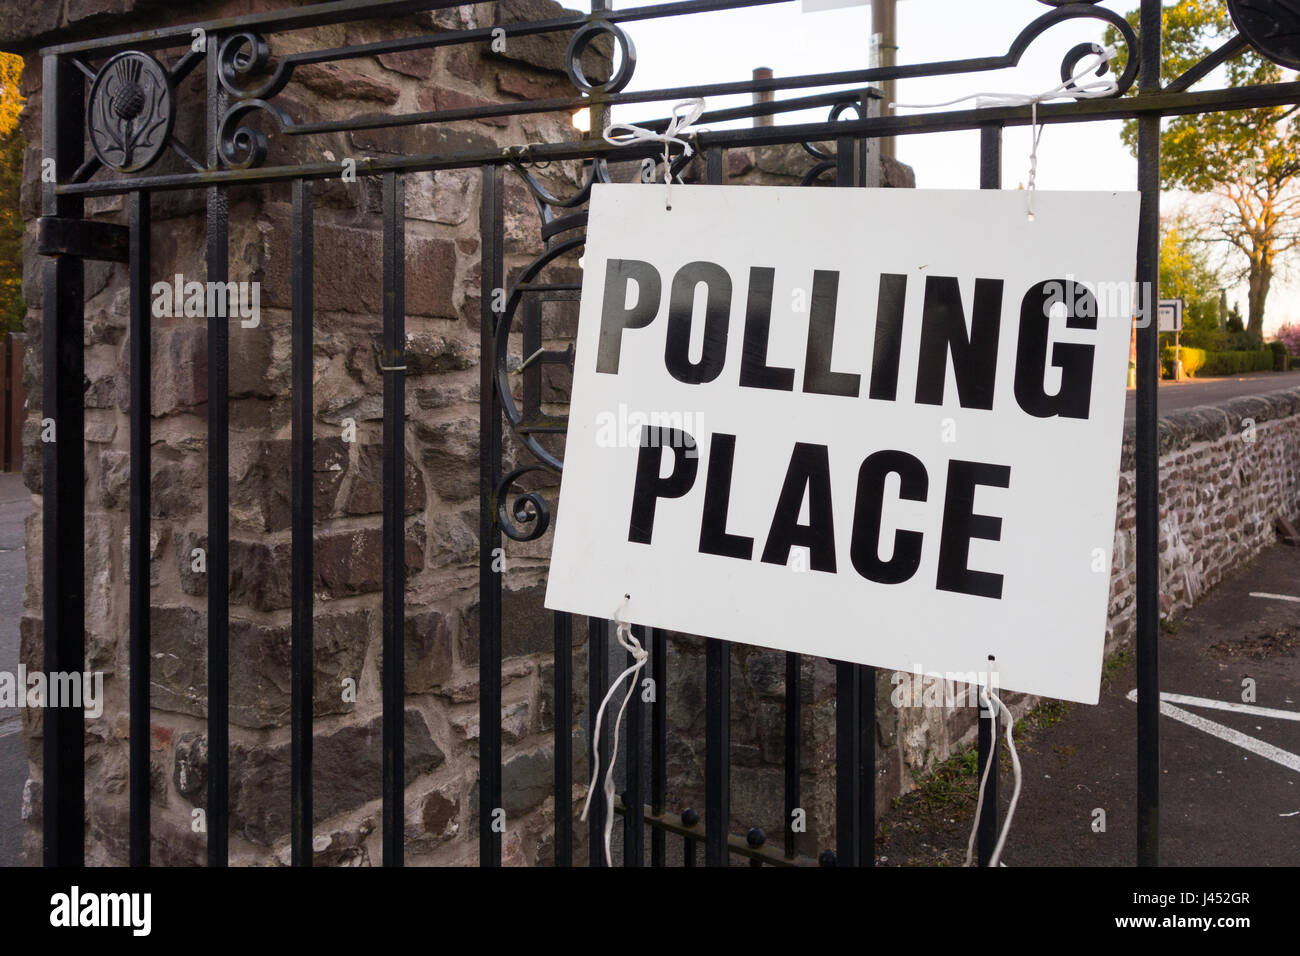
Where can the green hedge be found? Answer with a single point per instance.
(1192, 359)
(1237, 363)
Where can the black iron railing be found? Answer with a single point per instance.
(240, 78)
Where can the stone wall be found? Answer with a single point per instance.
(443, 309)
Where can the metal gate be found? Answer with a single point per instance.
(95, 93)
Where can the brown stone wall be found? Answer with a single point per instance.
(443, 308)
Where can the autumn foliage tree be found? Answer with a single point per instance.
(1248, 160)
(11, 176)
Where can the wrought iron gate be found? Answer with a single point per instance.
(114, 95)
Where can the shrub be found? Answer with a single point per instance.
(1289, 336)
(1192, 359)
(1238, 363)
(1279, 355)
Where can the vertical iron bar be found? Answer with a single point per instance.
(987, 740)
(597, 748)
(866, 759)
(717, 749)
(793, 758)
(394, 533)
(491, 278)
(1148, 461)
(218, 270)
(848, 820)
(63, 481)
(302, 508)
(659, 743)
(563, 697)
(140, 224)
(717, 699)
(634, 798)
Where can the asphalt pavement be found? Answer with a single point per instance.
(1207, 391)
(15, 505)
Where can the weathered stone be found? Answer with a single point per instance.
(526, 626)
(344, 80)
(260, 690)
(446, 196)
(440, 98)
(415, 63)
(546, 51)
(449, 454)
(439, 815)
(455, 539)
(260, 574)
(178, 673)
(191, 567)
(428, 650)
(359, 408)
(264, 490)
(348, 765)
(114, 479)
(526, 781)
(190, 768)
(179, 358)
(174, 490)
(351, 562)
(429, 354)
(366, 494)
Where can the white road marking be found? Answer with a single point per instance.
(1231, 705)
(10, 727)
(1259, 747)
(1275, 597)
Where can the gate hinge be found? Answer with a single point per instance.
(83, 239)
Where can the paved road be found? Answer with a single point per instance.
(1176, 395)
(1223, 802)
(15, 504)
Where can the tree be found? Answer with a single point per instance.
(11, 178)
(1186, 273)
(1248, 159)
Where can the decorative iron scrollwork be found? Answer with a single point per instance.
(245, 146)
(582, 39)
(244, 55)
(529, 515)
(1272, 27)
(131, 111)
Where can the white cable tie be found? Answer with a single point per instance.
(1074, 88)
(623, 630)
(989, 698)
(679, 126)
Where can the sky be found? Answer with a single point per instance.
(727, 45)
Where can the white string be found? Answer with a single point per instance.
(1075, 88)
(988, 697)
(679, 126)
(630, 644)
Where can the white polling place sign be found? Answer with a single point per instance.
(873, 425)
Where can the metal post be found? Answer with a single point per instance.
(763, 96)
(884, 40)
(63, 481)
(1148, 461)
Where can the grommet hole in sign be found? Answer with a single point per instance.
(1077, 87)
(680, 125)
